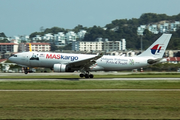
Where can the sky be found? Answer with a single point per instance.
(23, 17)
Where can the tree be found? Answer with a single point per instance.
(94, 33)
(2, 35)
(68, 47)
(53, 47)
(54, 30)
(34, 34)
(148, 18)
(78, 28)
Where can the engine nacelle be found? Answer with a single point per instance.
(60, 68)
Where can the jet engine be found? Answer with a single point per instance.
(61, 68)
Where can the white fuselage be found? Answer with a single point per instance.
(105, 63)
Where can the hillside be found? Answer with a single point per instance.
(124, 28)
(127, 29)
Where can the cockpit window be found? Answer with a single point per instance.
(15, 55)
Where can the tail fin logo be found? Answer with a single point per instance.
(156, 49)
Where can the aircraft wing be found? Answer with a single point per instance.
(86, 63)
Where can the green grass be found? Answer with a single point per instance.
(91, 84)
(89, 105)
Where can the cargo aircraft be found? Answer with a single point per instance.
(85, 63)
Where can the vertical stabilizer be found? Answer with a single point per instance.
(158, 48)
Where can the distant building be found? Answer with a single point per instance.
(123, 44)
(99, 45)
(59, 39)
(22, 47)
(39, 47)
(153, 29)
(14, 41)
(141, 29)
(25, 38)
(71, 36)
(112, 45)
(16, 38)
(87, 46)
(81, 34)
(162, 27)
(48, 37)
(75, 45)
(90, 46)
(10, 47)
(38, 37)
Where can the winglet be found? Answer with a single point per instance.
(30, 48)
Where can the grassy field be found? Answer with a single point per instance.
(91, 84)
(90, 105)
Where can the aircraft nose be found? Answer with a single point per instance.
(10, 57)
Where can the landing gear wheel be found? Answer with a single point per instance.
(86, 75)
(81, 75)
(91, 75)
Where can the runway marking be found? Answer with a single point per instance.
(89, 90)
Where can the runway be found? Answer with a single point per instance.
(63, 74)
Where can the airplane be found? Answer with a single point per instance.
(85, 63)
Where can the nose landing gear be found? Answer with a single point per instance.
(26, 70)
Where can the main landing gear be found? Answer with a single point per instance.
(86, 75)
